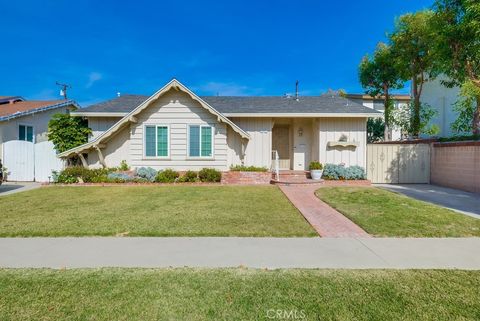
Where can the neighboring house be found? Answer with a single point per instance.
(175, 128)
(27, 120)
(442, 99)
(376, 103)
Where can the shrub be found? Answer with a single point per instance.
(210, 175)
(315, 165)
(147, 173)
(167, 176)
(336, 172)
(243, 168)
(189, 177)
(76, 173)
(354, 173)
(123, 166)
(119, 177)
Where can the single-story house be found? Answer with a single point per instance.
(27, 120)
(175, 128)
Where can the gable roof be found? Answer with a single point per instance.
(23, 108)
(248, 105)
(130, 116)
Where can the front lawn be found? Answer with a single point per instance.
(384, 213)
(238, 294)
(152, 211)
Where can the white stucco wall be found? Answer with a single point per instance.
(442, 99)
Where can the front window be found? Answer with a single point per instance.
(156, 141)
(200, 141)
(25, 133)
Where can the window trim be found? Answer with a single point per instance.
(144, 141)
(26, 125)
(212, 129)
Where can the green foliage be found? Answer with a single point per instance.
(412, 42)
(123, 166)
(459, 138)
(67, 132)
(340, 172)
(457, 23)
(189, 177)
(315, 165)
(378, 75)
(167, 176)
(404, 119)
(243, 168)
(116, 177)
(375, 129)
(76, 174)
(147, 173)
(209, 175)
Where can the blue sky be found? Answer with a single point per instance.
(213, 47)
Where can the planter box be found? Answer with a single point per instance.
(246, 178)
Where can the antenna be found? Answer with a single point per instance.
(63, 89)
(296, 91)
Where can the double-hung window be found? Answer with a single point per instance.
(156, 141)
(200, 141)
(25, 133)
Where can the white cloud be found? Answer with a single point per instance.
(93, 77)
(225, 89)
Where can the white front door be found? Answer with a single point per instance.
(299, 152)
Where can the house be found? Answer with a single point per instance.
(377, 103)
(175, 128)
(27, 120)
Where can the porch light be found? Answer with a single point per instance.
(300, 132)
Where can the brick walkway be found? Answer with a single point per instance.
(324, 219)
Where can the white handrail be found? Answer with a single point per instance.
(277, 164)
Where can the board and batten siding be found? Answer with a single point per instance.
(258, 149)
(331, 129)
(177, 110)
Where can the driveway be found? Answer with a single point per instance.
(15, 187)
(456, 200)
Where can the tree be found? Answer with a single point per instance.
(403, 119)
(375, 129)
(412, 42)
(378, 75)
(67, 132)
(457, 23)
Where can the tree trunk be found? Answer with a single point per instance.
(476, 118)
(386, 134)
(416, 109)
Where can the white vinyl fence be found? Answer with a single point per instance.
(27, 162)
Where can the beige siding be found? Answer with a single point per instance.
(258, 149)
(331, 129)
(177, 110)
(117, 149)
(101, 124)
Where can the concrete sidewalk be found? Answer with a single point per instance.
(212, 252)
(8, 188)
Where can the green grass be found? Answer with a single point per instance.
(384, 213)
(152, 211)
(238, 294)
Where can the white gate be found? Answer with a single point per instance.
(398, 163)
(46, 161)
(27, 162)
(18, 158)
